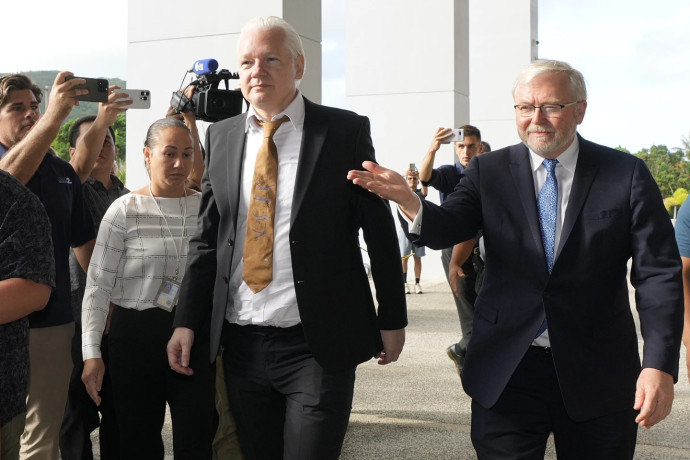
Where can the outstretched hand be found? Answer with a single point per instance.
(387, 184)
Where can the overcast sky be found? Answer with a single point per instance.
(633, 53)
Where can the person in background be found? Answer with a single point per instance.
(93, 154)
(407, 249)
(134, 276)
(486, 148)
(445, 178)
(25, 138)
(683, 240)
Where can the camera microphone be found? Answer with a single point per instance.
(204, 66)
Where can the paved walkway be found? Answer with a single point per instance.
(416, 409)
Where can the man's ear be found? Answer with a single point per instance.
(71, 151)
(299, 67)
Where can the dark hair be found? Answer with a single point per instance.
(158, 126)
(75, 129)
(17, 81)
(485, 147)
(469, 130)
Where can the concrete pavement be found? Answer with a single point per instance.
(416, 408)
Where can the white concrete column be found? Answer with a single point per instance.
(407, 70)
(503, 40)
(165, 37)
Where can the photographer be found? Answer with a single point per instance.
(444, 179)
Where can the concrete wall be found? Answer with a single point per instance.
(503, 40)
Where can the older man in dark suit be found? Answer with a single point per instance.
(291, 339)
(554, 347)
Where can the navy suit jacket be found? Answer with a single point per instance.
(615, 212)
(340, 320)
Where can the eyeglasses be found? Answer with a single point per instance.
(548, 110)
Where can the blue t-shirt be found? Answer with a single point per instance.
(683, 229)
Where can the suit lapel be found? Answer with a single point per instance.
(313, 138)
(235, 140)
(521, 170)
(585, 172)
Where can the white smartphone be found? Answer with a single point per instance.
(458, 135)
(141, 98)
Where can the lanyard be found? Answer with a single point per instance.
(184, 228)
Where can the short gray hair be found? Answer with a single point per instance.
(578, 86)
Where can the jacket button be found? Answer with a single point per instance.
(225, 278)
(230, 242)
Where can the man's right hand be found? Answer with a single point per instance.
(63, 96)
(441, 136)
(179, 348)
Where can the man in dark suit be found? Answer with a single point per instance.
(290, 348)
(554, 347)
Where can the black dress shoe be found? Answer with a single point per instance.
(458, 359)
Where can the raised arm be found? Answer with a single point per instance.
(86, 152)
(427, 165)
(189, 119)
(23, 159)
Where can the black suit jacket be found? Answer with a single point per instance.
(615, 212)
(340, 320)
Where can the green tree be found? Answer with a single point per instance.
(670, 169)
(61, 142)
(673, 202)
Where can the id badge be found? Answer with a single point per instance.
(167, 294)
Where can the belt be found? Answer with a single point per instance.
(265, 330)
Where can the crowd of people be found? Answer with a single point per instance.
(206, 290)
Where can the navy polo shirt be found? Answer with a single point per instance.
(445, 178)
(59, 189)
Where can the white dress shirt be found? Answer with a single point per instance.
(565, 172)
(276, 304)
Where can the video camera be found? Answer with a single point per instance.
(209, 103)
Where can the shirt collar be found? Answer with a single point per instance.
(295, 111)
(567, 159)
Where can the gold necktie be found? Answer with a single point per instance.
(258, 243)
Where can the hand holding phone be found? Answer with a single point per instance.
(141, 98)
(97, 87)
(455, 135)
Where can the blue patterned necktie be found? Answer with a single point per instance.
(547, 203)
